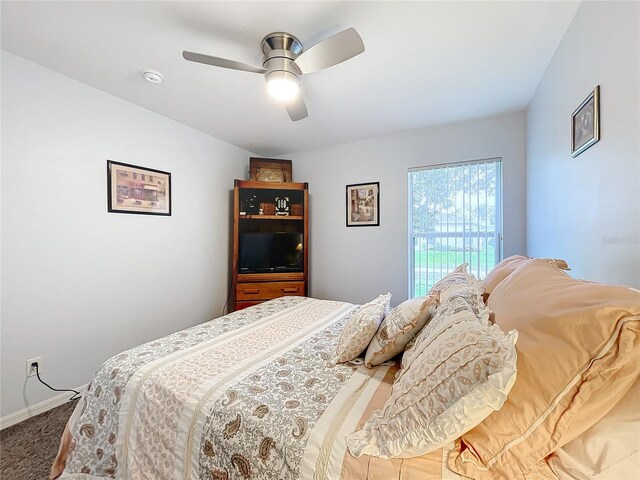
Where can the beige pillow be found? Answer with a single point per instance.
(578, 354)
(360, 328)
(501, 271)
(399, 327)
(506, 267)
(610, 449)
(462, 375)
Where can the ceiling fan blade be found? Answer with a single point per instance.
(221, 62)
(331, 51)
(296, 109)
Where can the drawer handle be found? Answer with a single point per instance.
(251, 291)
(290, 290)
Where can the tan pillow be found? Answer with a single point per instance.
(578, 354)
(360, 328)
(506, 267)
(462, 374)
(399, 327)
(501, 271)
(610, 449)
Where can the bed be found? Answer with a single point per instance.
(258, 394)
(253, 394)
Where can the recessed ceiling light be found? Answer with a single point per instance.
(153, 76)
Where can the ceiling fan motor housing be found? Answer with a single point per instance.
(280, 50)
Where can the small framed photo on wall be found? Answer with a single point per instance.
(363, 205)
(585, 123)
(134, 189)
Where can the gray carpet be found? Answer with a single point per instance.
(27, 449)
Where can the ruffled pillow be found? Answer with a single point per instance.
(454, 281)
(360, 328)
(399, 327)
(463, 372)
(467, 291)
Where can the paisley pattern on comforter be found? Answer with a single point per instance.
(232, 398)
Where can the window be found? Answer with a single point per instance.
(455, 216)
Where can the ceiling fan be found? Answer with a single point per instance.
(285, 60)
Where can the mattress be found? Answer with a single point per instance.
(251, 395)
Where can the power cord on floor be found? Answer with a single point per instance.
(77, 393)
(224, 308)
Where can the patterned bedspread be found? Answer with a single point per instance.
(251, 395)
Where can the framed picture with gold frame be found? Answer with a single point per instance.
(585, 123)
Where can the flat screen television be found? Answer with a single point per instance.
(270, 252)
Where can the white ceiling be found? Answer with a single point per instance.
(425, 63)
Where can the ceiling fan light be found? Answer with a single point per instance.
(283, 86)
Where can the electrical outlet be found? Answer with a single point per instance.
(31, 370)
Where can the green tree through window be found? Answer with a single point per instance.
(455, 217)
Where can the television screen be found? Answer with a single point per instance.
(271, 252)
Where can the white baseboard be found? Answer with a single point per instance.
(38, 408)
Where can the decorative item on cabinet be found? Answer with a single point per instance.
(249, 206)
(282, 206)
(268, 208)
(270, 170)
(296, 209)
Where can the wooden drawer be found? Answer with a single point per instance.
(241, 305)
(268, 290)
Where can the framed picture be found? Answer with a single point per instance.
(585, 123)
(363, 205)
(133, 189)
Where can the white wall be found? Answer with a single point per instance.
(587, 209)
(355, 264)
(80, 284)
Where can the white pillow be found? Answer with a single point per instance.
(360, 328)
(399, 327)
(467, 299)
(463, 373)
(610, 449)
(457, 279)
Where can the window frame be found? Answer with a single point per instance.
(499, 233)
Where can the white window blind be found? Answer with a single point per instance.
(455, 216)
